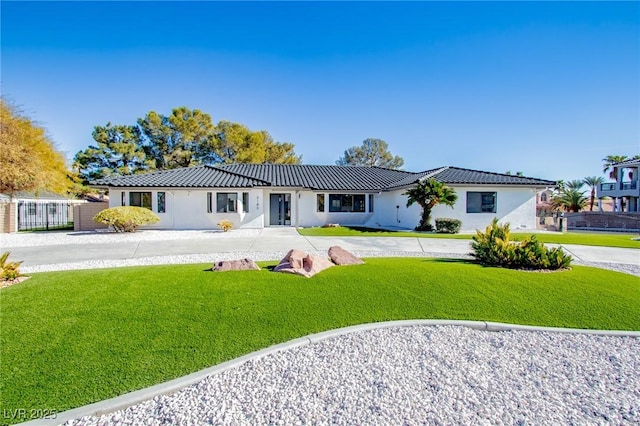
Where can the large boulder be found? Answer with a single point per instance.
(340, 256)
(235, 265)
(301, 263)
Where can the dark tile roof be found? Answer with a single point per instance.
(187, 177)
(458, 176)
(320, 178)
(414, 177)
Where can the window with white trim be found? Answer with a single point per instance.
(348, 203)
(481, 202)
(226, 202)
(320, 202)
(140, 199)
(161, 198)
(245, 202)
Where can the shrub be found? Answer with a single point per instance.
(445, 225)
(494, 248)
(225, 225)
(9, 271)
(424, 228)
(126, 218)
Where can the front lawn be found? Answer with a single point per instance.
(76, 337)
(580, 238)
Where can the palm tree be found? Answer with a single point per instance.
(610, 162)
(574, 184)
(429, 193)
(593, 182)
(571, 200)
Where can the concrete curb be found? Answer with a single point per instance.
(123, 401)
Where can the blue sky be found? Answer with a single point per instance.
(548, 89)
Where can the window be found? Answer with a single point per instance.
(481, 202)
(31, 209)
(161, 202)
(53, 208)
(140, 199)
(226, 202)
(245, 202)
(371, 203)
(320, 202)
(209, 202)
(346, 203)
(543, 197)
(123, 198)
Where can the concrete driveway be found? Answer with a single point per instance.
(38, 249)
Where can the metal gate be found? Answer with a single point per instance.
(44, 215)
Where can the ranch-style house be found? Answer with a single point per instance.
(260, 195)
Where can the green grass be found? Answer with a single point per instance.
(76, 337)
(581, 238)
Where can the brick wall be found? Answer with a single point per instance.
(83, 216)
(8, 213)
(604, 221)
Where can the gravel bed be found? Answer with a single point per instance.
(104, 237)
(415, 375)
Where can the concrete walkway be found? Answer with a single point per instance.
(72, 247)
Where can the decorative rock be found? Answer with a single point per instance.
(340, 256)
(235, 265)
(300, 263)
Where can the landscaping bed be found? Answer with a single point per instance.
(75, 337)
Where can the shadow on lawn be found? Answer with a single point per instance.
(452, 260)
(369, 230)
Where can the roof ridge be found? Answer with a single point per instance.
(431, 173)
(490, 173)
(220, 168)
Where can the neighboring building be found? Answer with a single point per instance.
(259, 195)
(625, 192)
(546, 215)
(24, 211)
(543, 203)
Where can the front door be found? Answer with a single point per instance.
(280, 209)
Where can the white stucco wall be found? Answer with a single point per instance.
(516, 205)
(310, 216)
(187, 209)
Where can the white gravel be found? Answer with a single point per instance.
(103, 237)
(415, 375)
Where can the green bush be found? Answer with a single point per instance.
(445, 225)
(9, 271)
(126, 218)
(494, 248)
